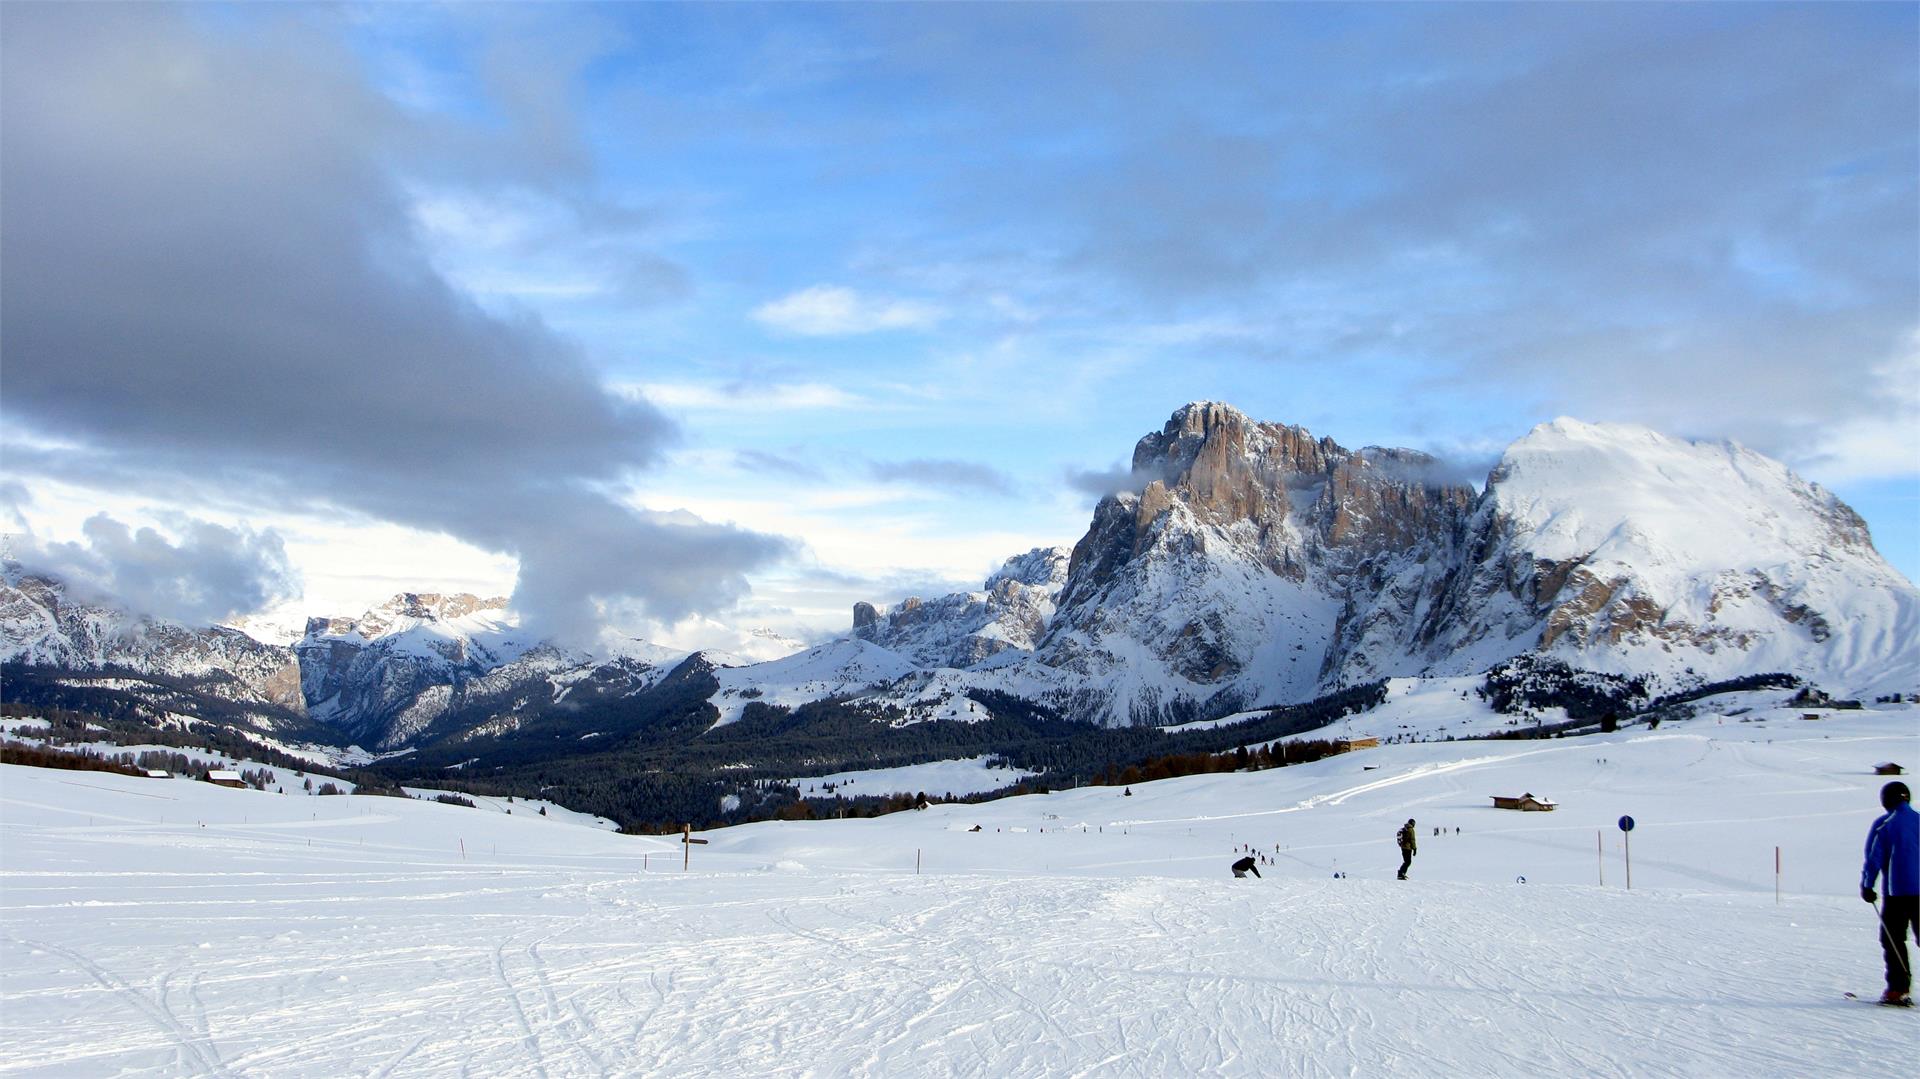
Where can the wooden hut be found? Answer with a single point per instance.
(1525, 803)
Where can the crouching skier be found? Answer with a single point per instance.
(1244, 866)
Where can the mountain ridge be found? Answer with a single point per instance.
(1249, 564)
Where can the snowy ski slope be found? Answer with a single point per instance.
(167, 928)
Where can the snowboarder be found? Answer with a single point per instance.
(1893, 850)
(1244, 866)
(1408, 844)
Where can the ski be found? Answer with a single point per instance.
(1908, 1003)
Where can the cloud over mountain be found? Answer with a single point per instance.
(214, 271)
(208, 574)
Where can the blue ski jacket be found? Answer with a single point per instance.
(1893, 848)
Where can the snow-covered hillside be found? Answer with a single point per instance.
(167, 928)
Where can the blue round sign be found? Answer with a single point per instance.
(1626, 824)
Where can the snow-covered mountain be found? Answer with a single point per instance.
(388, 675)
(42, 625)
(1011, 610)
(1258, 565)
(1623, 550)
(381, 679)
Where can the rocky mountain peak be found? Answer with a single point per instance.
(1010, 612)
(438, 606)
(406, 610)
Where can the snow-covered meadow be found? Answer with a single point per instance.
(163, 927)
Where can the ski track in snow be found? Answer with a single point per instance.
(137, 948)
(885, 976)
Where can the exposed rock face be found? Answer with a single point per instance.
(1009, 613)
(388, 673)
(40, 624)
(1251, 565)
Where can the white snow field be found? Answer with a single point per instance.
(166, 928)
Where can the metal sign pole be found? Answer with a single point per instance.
(1626, 846)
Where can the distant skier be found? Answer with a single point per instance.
(1408, 845)
(1893, 850)
(1244, 866)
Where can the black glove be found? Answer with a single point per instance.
(1869, 895)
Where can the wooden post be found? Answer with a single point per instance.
(463, 850)
(686, 846)
(916, 861)
(1600, 857)
(1776, 876)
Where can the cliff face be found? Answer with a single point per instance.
(1249, 567)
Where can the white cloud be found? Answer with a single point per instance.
(738, 396)
(835, 311)
(1878, 444)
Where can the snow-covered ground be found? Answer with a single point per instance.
(525, 806)
(159, 927)
(937, 778)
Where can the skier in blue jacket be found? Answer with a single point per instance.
(1893, 851)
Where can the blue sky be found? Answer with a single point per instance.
(785, 306)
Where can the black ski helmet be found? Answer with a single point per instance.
(1894, 794)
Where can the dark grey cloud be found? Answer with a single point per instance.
(1120, 479)
(212, 268)
(209, 574)
(947, 475)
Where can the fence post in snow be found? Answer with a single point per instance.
(1776, 876)
(1600, 857)
(916, 861)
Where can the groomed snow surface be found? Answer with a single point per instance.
(164, 927)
